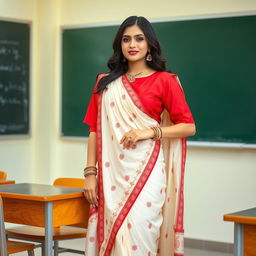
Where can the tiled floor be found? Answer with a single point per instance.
(79, 244)
(195, 252)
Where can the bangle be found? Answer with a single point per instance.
(161, 132)
(90, 168)
(157, 132)
(90, 173)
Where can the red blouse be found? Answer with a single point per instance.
(158, 91)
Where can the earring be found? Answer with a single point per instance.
(124, 59)
(149, 57)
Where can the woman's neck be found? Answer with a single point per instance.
(137, 67)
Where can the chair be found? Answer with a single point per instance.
(69, 182)
(36, 234)
(3, 175)
(11, 247)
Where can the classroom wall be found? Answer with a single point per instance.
(16, 155)
(45, 127)
(218, 180)
(88, 11)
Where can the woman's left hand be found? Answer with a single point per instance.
(130, 138)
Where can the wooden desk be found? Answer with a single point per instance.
(244, 232)
(44, 206)
(5, 182)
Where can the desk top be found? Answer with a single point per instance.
(4, 182)
(247, 216)
(38, 192)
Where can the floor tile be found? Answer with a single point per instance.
(79, 245)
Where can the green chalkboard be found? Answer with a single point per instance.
(14, 78)
(215, 59)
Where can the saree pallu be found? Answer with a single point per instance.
(140, 190)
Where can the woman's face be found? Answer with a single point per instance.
(134, 44)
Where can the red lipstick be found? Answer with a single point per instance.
(132, 52)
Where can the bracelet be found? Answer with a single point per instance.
(157, 132)
(90, 173)
(94, 172)
(161, 132)
(90, 168)
(154, 135)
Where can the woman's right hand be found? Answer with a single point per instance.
(91, 190)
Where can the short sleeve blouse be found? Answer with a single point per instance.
(158, 91)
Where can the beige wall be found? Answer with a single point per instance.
(17, 155)
(218, 180)
(88, 11)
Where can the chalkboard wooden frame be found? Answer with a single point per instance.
(27, 133)
(193, 143)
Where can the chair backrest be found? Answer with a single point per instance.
(69, 182)
(3, 246)
(74, 183)
(3, 175)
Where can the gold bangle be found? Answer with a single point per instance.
(161, 132)
(154, 130)
(157, 132)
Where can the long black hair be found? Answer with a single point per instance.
(116, 64)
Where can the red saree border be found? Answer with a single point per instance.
(135, 98)
(92, 211)
(179, 221)
(100, 225)
(136, 190)
(132, 198)
(179, 227)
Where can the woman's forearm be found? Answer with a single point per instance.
(178, 130)
(181, 130)
(92, 150)
(175, 131)
(90, 181)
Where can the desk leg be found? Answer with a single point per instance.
(239, 239)
(48, 229)
(3, 247)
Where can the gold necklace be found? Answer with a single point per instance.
(132, 77)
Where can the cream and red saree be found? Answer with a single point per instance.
(140, 190)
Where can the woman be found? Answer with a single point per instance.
(137, 191)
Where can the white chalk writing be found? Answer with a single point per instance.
(12, 86)
(14, 92)
(11, 127)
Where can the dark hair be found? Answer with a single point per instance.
(116, 65)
